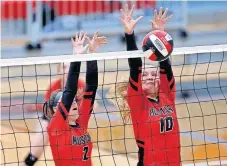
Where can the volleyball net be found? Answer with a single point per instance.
(201, 105)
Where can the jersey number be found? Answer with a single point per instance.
(85, 150)
(166, 124)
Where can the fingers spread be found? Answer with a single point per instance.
(126, 9)
(96, 34)
(83, 38)
(81, 34)
(131, 11)
(165, 13)
(102, 40)
(77, 36)
(138, 19)
(72, 40)
(122, 14)
(155, 15)
(168, 18)
(160, 12)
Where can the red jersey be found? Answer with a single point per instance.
(71, 145)
(155, 123)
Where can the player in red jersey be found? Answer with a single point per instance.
(70, 143)
(41, 139)
(151, 99)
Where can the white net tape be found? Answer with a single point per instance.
(201, 93)
(107, 56)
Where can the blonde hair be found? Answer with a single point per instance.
(117, 95)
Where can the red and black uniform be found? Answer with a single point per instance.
(155, 122)
(71, 144)
(57, 85)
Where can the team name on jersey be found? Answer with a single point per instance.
(81, 140)
(165, 110)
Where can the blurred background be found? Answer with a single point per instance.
(43, 28)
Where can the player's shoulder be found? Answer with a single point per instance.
(165, 97)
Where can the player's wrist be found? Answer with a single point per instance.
(129, 32)
(158, 28)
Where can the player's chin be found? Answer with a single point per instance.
(72, 118)
(148, 91)
(149, 87)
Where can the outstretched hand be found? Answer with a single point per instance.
(127, 19)
(78, 43)
(96, 42)
(160, 20)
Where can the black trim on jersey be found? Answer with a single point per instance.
(153, 101)
(141, 156)
(132, 85)
(162, 72)
(140, 142)
(76, 125)
(87, 96)
(93, 100)
(62, 112)
(135, 64)
(171, 86)
(169, 73)
(166, 66)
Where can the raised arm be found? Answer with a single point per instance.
(71, 85)
(135, 64)
(58, 121)
(87, 104)
(70, 89)
(166, 73)
(167, 80)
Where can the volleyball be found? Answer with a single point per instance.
(157, 45)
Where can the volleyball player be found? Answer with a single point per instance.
(151, 100)
(40, 140)
(37, 149)
(70, 143)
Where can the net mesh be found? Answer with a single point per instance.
(201, 92)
